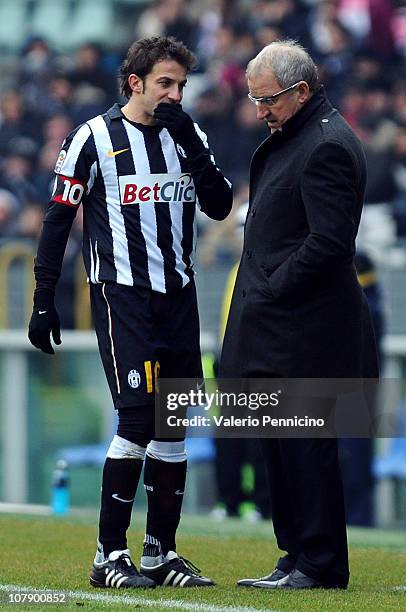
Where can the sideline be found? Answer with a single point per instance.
(170, 604)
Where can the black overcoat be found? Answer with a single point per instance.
(297, 309)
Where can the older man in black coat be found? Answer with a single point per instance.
(297, 309)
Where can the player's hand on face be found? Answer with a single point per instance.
(44, 323)
(179, 124)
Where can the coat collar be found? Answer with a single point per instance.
(318, 104)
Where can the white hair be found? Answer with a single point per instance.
(288, 61)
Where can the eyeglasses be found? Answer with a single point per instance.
(271, 100)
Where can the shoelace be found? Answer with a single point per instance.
(191, 566)
(121, 563)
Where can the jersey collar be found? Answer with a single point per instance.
(115, 111)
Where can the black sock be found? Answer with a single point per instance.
(165, 484)
(120, 481)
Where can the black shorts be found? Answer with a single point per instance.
(143, 334)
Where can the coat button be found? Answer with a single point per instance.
(253, 212)
(244, 293)
(249, 253)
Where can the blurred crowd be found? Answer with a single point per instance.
(359, 46)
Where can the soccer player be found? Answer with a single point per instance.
(138, 170)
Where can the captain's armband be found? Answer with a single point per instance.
(68, 190)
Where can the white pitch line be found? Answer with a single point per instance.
(170, 604)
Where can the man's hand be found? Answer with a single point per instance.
(44, 321)
(178, 123)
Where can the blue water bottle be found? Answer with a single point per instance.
(60, 488)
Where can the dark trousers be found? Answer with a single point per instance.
(308, 506)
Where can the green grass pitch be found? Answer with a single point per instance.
(46, 552)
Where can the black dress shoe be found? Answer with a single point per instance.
(298, 580)
(276, 576)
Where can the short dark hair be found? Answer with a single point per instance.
(145, 53)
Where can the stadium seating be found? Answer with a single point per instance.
(51, 20)
(67, 23)
(393, 463)
(93, 22)
(13, 23)
(391, 467)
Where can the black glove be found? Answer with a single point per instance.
(44, 320)
(180, 126)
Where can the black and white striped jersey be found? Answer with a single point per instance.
(139, 193)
